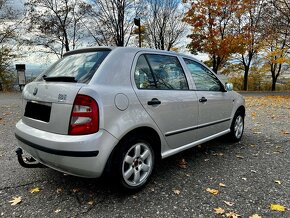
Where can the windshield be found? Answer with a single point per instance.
(78, 67)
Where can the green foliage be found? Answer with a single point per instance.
(6, 77)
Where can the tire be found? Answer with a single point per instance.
(237, 127)
(134, 163)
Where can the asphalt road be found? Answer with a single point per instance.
(255, 172)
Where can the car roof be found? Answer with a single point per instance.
(125, 49)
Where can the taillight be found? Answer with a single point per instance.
(84, 116)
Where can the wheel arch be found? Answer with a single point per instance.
(241, 109)
(147, 131)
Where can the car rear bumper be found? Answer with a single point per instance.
(84, 156)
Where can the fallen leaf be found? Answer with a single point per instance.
(239, 156)
(278, 182)
(176, 191)
(253, 171)
(182, 163)
(57, 210)
(34, 190)
(59, 190)
(219, 210)
(222, 185)
(277, 207)
(75, 190)
(255, 216)
(91, 202)
(218, 154)
(229, 203)
(254, 114)
(257, 133)
(212, 191)
(16, 200)
(232, 215)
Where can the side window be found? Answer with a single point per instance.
(203, 78)
(167, 72)
(143, 75)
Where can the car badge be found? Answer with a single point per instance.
(35, 91)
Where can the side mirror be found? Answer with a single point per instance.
(229, 86)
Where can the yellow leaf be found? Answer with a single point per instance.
(255, 216)
(212, 191)
(16, 200)
(232, 215)
(229, 203)
(219, 210)
(222, 185)
(254, 114)
(34, 190)
(176, 191)
(277, 207)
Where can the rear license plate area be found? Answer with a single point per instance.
(38, 111)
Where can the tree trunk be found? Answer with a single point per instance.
(66, 42)
(274, 80)
(246, 76)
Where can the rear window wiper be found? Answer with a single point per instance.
(59, 78)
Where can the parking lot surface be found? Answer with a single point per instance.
(243, 178)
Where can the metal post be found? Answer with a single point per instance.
(137, 22)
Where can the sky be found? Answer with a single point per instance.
(36, 61)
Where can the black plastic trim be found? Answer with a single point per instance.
(59, 152)
(197, 127)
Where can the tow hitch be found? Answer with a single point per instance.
(29, 162)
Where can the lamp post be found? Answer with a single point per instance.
(138, 23)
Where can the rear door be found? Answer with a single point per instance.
(215, 103)
(162, 89)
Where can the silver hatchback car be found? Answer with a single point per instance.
(118, 110)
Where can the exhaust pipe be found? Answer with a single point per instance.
(29, 162)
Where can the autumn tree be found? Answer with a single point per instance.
(55, 24)
(212, 32)
(163, 23)
(277, 48)
(249, 25)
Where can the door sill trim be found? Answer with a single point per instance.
(190, 145)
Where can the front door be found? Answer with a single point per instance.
(215, 103)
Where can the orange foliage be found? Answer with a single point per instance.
(213, 23)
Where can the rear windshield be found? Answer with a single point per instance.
(80, 66)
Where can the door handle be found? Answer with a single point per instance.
(154, 101)
(203, 99)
